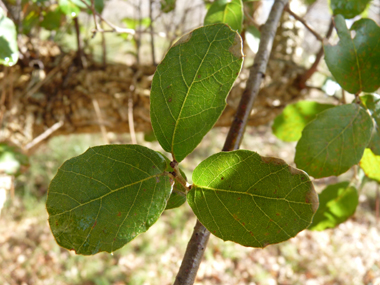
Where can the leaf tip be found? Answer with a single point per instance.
(236, 48)
(183, 39)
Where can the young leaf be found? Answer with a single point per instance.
(370, 163)
(355, 63)
(190, 87)
(372, 103)
(334, 141)
(251, 200)
(289, 124)
(105, 197)
(228, 12)
(8, 41)
(348, 8)
(337, 203)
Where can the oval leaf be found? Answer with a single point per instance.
(348, 8)
(103, 198)
(334, 141)
(251, 200)
(289, 124)
(337, 203)
(355, 63)
(370, 163)
(228, 12)
(190, 87)
(8, 41)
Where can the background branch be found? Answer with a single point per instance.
(198, 242)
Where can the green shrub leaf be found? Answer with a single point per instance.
(190, 87)
(355, 63)
(8, 41)
(348, 8)
(334, 141)
(167, 5)
(103, 198)
(337, 203)
(228, 12)
(370, 163)
(251, 200)
(289, 124)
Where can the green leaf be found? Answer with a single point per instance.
(334, 141)
(105, 197)
(167, 5)
(134, 23)
(337, 203)
(349, 8)
(8, 41)
(12, 159)
(178, 195)
(30, 21)
(251, 200)
(370, 163)
(355, 63)
(71, 7)
(150, 137)
(372, 103)
(289, 124)
(229, 12)
(52, 20)
(190, 87)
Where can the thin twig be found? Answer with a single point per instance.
(114, 28)
(80, 55)
(130, 120)
(44, 135)
(302, 20)
(306, 76)
(100, 120)
(151, 32)
(198, 242)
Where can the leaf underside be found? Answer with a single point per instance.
(251, 200)
(103, 198)
(190, 87)
(334, 141)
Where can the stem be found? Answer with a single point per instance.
(306, 76)
(198, 242)
(152, 31)
(300, 19)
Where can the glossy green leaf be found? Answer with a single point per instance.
(289, 124)
(349, 8)
(337, 203)
(229, 12)
(167, 5)
(334, 141)
(355, 63)
(178, 195)
(190, 87)
(372, 103)
(8, 41)
(105, 197)
(251, 200)
(370, 163)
